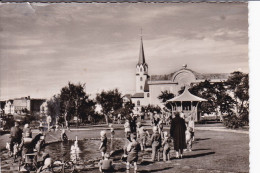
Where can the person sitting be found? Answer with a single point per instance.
(26, 145)
(38, 141)
(156, 143)
(44, 162)
(106, 165)
(133, 148)
(16, 137)
(63, 136)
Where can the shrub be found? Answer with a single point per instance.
(233, 122)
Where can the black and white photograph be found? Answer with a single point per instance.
(124, 87)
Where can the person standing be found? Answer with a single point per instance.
(15, 135)
(27, 129)
(48, 121)
(177, 132)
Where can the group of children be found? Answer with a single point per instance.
(160, 142)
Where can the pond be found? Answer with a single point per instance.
(88, 153)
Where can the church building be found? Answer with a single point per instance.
(148, 88)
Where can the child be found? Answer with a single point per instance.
(103, 145)
(166, 146)
(188, 138)
(112, 131)
(133, 148)
(127, 129)
(156, 142)
(106, 165)
(191, 126)
(63, 136)
(40, 144)
(141, 133)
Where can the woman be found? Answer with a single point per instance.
(177, 131)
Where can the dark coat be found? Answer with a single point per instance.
(177, 132)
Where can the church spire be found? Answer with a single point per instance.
(141, 54)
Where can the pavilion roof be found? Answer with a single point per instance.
(186, 96)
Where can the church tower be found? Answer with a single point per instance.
(141, 71)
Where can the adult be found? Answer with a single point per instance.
(177, 132)
(15, 135)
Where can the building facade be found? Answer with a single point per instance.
(148, 88)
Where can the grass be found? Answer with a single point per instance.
(213, 151)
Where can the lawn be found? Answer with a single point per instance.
(213, 151)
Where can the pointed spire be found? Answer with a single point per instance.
(141, 54)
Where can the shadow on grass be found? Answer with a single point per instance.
(202, 149)
(202, 139)
(155, 170)
(198, 155)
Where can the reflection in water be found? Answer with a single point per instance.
(87, 150)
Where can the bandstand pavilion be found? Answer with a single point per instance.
(186, 103)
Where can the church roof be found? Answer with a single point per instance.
(138, 95)
(199, 76)
(141, 54)
(186, 96)
(127, 96)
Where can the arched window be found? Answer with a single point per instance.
(138, 103)
(141, 79)
(148, 95)
(141, 69)
(141, 87)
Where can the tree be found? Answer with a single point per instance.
(216, 95)
(75, 102)
(127, 109)
(166, 95)
(237, 84)
(53, 106)
(110, 101)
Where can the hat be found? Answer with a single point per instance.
(103, 133)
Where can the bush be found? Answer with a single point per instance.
(233, 122)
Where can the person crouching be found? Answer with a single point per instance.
(106, 165)
(133, 148)
(26, 145)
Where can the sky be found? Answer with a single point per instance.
(43, 46)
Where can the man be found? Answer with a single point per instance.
(15, 135)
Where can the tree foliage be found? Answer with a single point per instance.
(75, 102)
(164, 96)
(110, 101)
(53, 107)
(229, 98)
